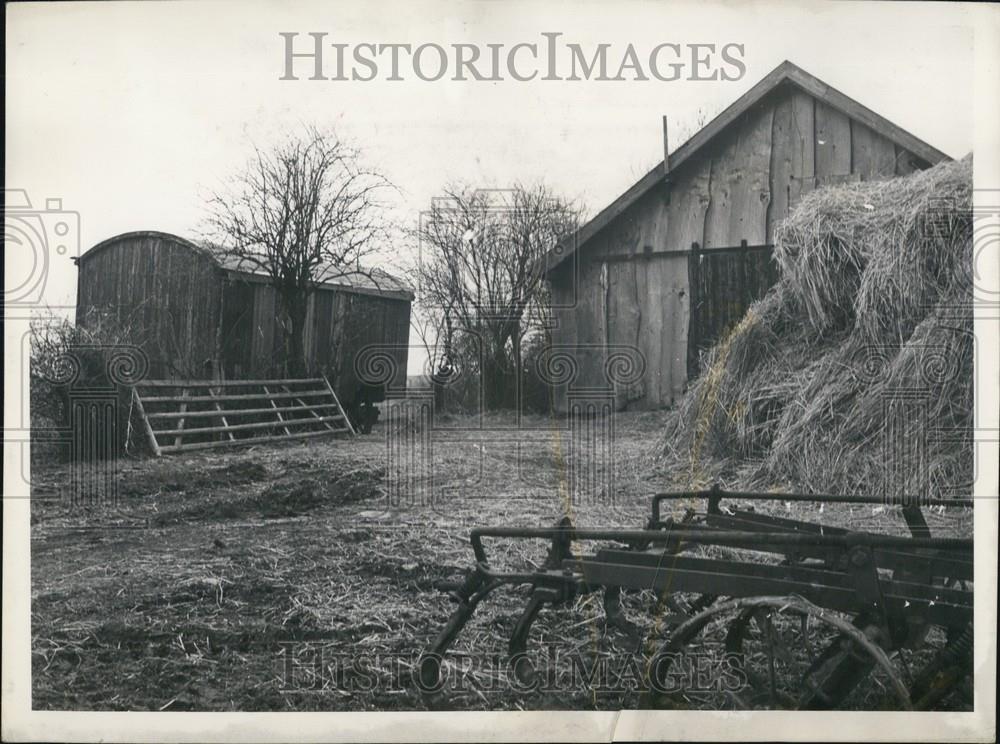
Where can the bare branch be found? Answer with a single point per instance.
(479, 259)
(301, 213)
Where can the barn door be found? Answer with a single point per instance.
(724, 282)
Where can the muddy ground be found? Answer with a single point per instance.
(288, 577)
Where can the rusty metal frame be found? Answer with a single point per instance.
(825, 569)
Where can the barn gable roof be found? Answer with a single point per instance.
(784, 74)
(373, 281)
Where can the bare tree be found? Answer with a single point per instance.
(302, 212)
(479, 267)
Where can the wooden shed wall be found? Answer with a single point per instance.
(370, 320)
(339, 325)
(167, 294)
(196, 320)
(737, 188)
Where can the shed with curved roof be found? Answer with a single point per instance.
(199, 314)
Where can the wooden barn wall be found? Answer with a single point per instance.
(339, 325)
(635, 306)
(738, 188)
(167, 294)
(739, 195)
(368, 320)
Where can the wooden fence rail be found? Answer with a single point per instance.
(201, 414)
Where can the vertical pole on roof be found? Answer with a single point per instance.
(666, 160)
(666, 148)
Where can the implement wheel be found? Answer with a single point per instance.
(769, 653)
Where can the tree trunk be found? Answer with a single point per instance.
(497, 381)
(516, 395)
(296, 361)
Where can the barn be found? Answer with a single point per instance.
(663, 271)
(199, 315)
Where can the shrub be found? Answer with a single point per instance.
(74, 366)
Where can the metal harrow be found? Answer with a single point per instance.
(868, 597)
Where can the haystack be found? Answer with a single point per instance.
(854, 373)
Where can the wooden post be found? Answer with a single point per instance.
(666, 161)
(145, 420)
(666, 148)
(347, 420)
(744, 265)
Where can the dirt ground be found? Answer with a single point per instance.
(287, 577)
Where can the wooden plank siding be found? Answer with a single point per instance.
(873, 157)
(630, 283)
(785, 77)
(793, 164)
(833, 142)
(167, 295)
(339, 326)
(197, 320)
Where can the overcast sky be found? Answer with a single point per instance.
(130, 112)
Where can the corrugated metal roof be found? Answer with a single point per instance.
(366, 279)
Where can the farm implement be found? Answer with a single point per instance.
(804, 615)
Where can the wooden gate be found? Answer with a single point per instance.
(201, 414)
(724, 282)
